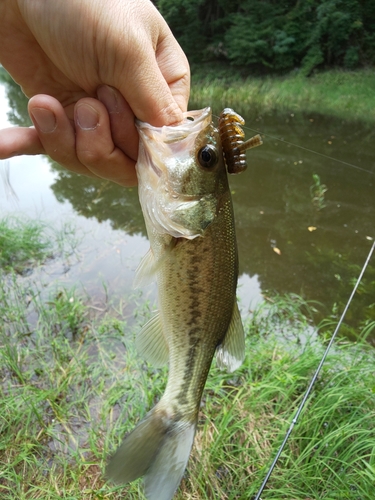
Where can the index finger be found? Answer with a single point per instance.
(15, 141)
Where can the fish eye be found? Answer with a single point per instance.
(207, 156)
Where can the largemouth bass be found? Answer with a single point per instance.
(186, 203)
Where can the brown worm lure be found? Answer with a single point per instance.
(232, 135)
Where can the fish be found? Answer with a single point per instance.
(187, 207)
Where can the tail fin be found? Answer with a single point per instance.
(158, 448)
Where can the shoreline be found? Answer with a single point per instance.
(347, 95)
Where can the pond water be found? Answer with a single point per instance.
(304, 209)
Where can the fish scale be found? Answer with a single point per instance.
(206, 308)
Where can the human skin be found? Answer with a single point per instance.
(90, 68)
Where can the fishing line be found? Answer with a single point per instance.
(313, 380)
(5, 178)
(311, 151)
(306, 149)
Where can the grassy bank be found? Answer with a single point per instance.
(349, 95)
(25, 243)
(71, 386)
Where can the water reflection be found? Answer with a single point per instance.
(17, 113)
(287, 241)
(103, 200)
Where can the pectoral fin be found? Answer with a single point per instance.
(145, 271)
(151, 342)
(231, 352)
(149, 265)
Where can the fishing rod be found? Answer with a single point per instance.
(313, 380)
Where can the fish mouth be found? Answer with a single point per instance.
(159, 143)
(193, 121)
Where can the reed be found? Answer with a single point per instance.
(349, 95)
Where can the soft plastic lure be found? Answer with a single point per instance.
(232, 135)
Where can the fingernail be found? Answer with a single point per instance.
(87, 117)
(44, 119)
(110, 98)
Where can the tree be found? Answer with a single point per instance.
(275, 35)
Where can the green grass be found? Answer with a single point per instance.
(349, 95)
(22, 244)
(26, 243)
(70, 390)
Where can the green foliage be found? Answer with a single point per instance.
(68, 312)
(317, 192)
(334, 39)
(184, 19)
(66, 403)
(347, 95)
(26, 243)
(18, 114)
(278, 36)
(22, 244)
(266, 34)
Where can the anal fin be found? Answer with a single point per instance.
(231, 353)
(151, 342)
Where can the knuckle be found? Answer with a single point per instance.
(92, 156)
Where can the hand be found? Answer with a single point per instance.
(91, 67)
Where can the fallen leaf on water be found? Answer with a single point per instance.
(311, 228)
(277, 250)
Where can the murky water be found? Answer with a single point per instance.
(293, 236)
(306, 234)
